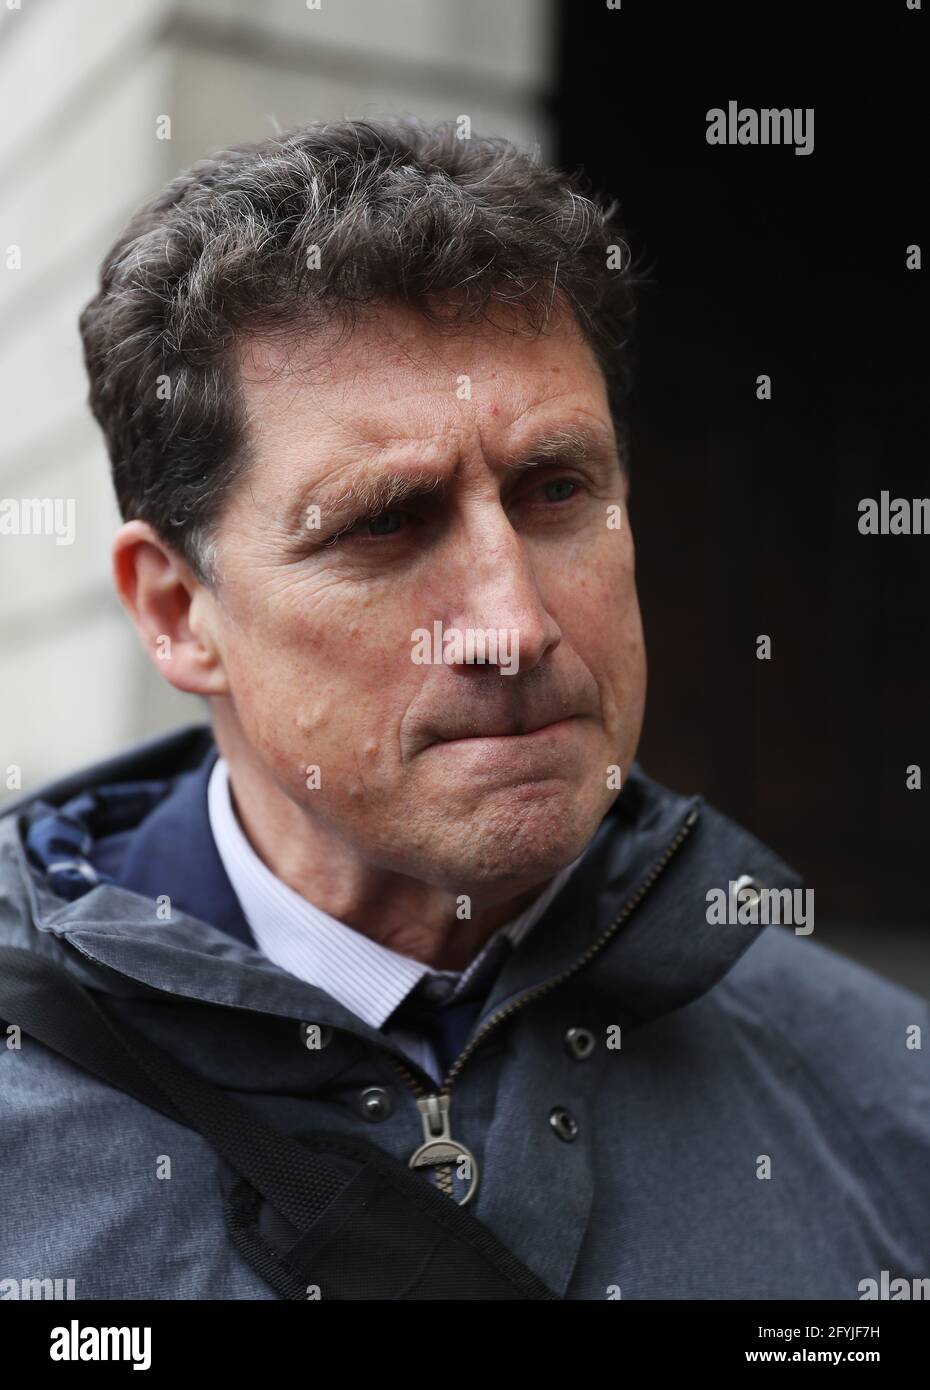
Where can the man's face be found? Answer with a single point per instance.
(468, 481)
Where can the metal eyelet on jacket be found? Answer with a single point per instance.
(376, 1103)
(747, 891)
(564, 1124)
(579, 1043)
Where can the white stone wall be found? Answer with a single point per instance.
(82, 84)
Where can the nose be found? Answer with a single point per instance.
(490, 587)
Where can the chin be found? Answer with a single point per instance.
(530, 834)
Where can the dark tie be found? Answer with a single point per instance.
(448, 1026)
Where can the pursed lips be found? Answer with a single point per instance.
(509, 728)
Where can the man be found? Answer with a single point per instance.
(361, 386)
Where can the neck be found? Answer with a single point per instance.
(417, 919)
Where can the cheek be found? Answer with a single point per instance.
(594, 597)
(624, 631)
(597, 609)
(311, 684)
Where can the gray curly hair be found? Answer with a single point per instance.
(297, 230)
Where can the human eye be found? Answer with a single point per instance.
(382, 524)
(561, 491)
(379, 524)
(554, 490)
(557, 499)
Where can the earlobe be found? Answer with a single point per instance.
(167, 604)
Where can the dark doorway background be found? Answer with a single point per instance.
(745, 512)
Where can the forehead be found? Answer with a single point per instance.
(397, 376)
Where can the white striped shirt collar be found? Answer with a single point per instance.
(369, 979)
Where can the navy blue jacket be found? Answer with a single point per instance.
(750, 1117)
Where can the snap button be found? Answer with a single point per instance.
(315, 1036)
(564, 1124)
(376, 1103)
(580, 1043)
(747, 891)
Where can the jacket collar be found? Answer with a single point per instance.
(661, 957)
(153, 864)
(151, 836)
(665, 851)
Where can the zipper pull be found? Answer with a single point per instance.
(441, 1151)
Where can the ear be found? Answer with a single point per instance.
(177, 618)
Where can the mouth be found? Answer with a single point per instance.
(513, 732)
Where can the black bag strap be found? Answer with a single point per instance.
(368, 1226)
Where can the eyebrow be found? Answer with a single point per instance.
(370, 493)
(566, 444)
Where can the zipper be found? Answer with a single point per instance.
(434, 1105)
